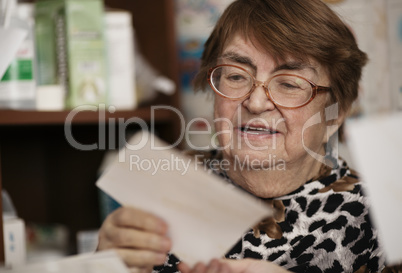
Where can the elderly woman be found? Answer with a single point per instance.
(277, 68)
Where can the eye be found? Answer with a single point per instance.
(236, 77)
(289, 85)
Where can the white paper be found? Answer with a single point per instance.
(10, 39)
(206, 216)
(375, 144)
(99, 262)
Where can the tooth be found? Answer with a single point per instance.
(259, 129)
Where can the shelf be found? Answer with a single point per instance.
(16, 117)
(41, 171)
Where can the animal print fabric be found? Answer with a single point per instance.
(324, 226)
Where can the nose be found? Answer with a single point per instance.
(259, 101)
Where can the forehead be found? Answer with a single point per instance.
(247, 51)
(246, 46)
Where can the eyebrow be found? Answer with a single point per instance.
(235, 57)
(292, 65)
(295, 66)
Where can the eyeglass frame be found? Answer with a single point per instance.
(315, 88)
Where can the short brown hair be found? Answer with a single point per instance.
(298, 28)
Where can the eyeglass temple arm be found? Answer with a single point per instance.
(322, 89)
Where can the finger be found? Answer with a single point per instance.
(199, 268)
(213, 266)
(141, 258)
(131, 238)
(135, 218)
(225, 268)
(252, 265)
(235, 265)
(183, 267)
(140, 270)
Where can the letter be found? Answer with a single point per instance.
(224, 165)
(198, 161)
(186, 166)
(255, 164)
(166, 166)
(214, 165)
(182, 123)
(102, 127)
(188, 132)
(156, 166)
(67, 129)
(229, 131)
(112, 129)
(332, 111)
(176, 161)
(134, 163)
(315, 119)
(267, 161)
(239, 120)
(237, 161)
(275, 127)
(281, 163)
(246, 139)
(148, 162)
(122, 133)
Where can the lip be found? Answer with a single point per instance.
(256, 130)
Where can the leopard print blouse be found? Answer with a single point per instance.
(324, 226)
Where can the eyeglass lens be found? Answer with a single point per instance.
(286, 90)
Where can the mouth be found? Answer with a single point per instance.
(257, 130)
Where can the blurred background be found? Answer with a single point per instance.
(123, 58)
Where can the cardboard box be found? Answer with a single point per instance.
(14, 242)
(120, 49)
(71, 49)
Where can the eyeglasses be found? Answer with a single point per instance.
(284, 90)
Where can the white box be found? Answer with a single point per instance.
(14, 242)
(120, 51)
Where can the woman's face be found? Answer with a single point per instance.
(254, 131)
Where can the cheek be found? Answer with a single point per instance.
(224, 109)
(224, 112)
(305, 127)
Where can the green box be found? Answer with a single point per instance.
(71, 49)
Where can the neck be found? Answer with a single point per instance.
(276, 181)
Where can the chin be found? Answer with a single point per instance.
(257, 160)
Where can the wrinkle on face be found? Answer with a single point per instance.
(300, 166)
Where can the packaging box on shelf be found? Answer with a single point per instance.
(71, 49)
(17, 85)
(120, 49)
(13, 233)
(14, 242)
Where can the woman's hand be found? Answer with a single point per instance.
(233, 266)
(137, 236)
